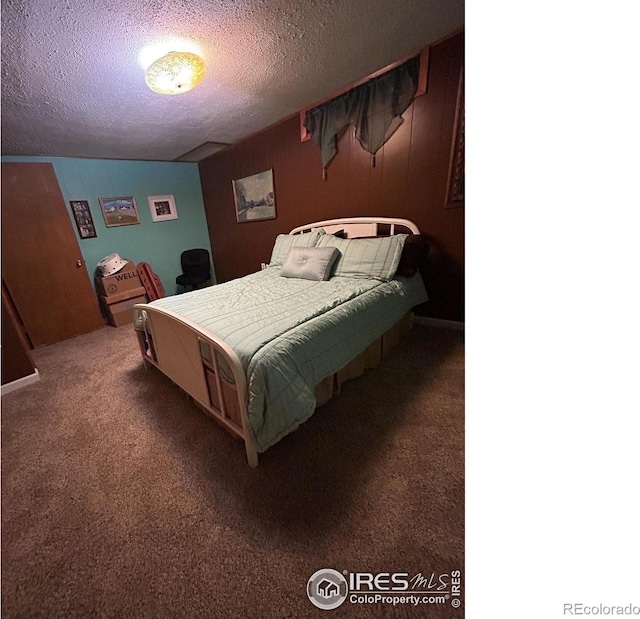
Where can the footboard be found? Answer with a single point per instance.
(202, 365)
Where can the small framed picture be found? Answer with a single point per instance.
(254, 197)
(121, 211)
(83, 218)
(162, 208)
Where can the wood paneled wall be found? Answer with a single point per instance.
(409, 180)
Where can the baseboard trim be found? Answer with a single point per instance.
(439, 322)
(20, 382)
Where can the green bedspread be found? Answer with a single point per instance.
(290, 334)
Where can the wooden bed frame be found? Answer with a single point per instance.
(190, 358)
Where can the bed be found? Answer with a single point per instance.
(261, 353)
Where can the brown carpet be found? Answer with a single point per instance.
(121, 499)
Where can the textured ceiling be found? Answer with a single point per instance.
(73, 78)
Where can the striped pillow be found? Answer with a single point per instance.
(375, 258)
(284, 242)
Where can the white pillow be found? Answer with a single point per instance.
(284, 242)
(313, 263)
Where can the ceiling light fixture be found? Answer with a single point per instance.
(175, 73)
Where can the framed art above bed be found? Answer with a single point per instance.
(254, 197)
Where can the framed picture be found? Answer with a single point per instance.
(84, 220)
(162, 208)
(455, 182)
(254, 197)
(121, 211)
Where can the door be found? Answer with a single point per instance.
(17, 361)
(42, 264)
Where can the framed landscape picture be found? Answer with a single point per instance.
(162, 208)
(83, 219)
(121, 211)
(254, 197)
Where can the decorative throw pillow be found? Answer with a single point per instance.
(284, 242)
(376, 258)
(313, 263)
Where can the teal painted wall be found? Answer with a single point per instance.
(158, 243)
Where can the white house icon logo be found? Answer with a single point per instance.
(327, 589)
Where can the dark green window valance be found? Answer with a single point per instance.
(374, 108)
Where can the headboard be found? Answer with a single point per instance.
(360, 226)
